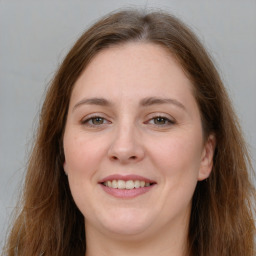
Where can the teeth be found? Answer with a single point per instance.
(114, 184)
(130, 184)
(137, 184)
(120, 184)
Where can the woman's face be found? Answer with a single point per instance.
(133, 143)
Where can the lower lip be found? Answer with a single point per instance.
(126, 193)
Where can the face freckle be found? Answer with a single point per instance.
(140, 122)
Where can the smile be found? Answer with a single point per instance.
(126, 187)
(130, 184)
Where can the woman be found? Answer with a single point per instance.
(138, 150)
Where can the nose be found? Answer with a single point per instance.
(126, 147)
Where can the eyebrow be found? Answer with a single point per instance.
(158, 101)
(144, 102)
(93, 101)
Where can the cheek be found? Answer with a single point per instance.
(178, 151)
(81, 154)
(178, 160)
(82, 158)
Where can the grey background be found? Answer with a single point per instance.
(36, 35)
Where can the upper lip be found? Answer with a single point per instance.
(126, 178)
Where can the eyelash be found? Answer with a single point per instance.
(167, 121)
(88, 121)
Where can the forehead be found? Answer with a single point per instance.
(133, 68)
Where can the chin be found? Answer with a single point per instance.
(127, 222)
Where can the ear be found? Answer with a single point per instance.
(65, 168)
(207, 158)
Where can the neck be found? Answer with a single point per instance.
(165, 242)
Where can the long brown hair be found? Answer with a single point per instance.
(223, 207)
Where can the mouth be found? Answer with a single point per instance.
(128, 186)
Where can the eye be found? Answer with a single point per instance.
(160, 121)
(95, 121)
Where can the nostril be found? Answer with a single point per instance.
(131, 157)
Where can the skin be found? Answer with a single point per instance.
(129, 139)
